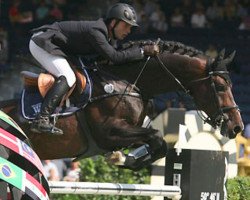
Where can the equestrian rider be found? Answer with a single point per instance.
(51, 44)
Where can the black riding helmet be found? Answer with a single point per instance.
(123, 12)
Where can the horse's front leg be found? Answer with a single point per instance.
(139, 157)
(150, 143)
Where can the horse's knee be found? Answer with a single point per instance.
(144, 156)
(156, 139)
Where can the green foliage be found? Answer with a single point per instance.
(97, 170)
(238, 188)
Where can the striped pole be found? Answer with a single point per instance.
(63, 187)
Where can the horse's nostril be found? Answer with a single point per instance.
(237, 129)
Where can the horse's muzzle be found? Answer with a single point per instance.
(231, 130)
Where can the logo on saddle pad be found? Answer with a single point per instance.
(36, 107)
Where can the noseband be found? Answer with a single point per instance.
(219, 117)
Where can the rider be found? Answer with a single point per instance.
(51, 44)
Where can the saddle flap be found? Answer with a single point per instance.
(29, 78)
(81, 81)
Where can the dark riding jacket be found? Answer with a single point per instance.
(82, 38)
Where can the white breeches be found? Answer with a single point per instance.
(56, 65)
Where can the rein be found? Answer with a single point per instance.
(132, 94)
(219, 117)
(171, 74)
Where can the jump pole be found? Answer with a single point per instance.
(64, 187)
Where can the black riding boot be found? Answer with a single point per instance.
(52, 99)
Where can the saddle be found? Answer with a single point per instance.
(37, 85)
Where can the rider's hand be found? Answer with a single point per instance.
(151, 50)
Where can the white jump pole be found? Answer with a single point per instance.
(64, 187)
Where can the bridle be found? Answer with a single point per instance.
(219, 117)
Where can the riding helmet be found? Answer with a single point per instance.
(123, 12)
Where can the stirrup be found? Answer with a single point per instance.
(43, 125)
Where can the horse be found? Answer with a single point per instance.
(121, 98)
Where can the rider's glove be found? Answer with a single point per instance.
(151, 50)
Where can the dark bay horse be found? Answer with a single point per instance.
(112, 120)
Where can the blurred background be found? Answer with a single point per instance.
(208, 25)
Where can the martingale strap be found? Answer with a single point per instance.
(22, 180)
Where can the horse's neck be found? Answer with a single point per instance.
(155, 79)
(184, 68)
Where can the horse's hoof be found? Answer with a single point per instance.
(116, 158)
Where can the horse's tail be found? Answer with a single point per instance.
(7, 103)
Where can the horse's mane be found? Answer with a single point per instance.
(179, 48)
(168, 46)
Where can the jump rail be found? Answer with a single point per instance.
(63, 187)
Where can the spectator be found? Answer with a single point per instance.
(245, 23)
(14, 12)
(214, 13)
(241, 10)
(3, 47)
(42, 11)
(61, 166)
(161, 26)
(245, 134)
(229, 10)
(144, 26)
(56, 13)
(186, 10)
(50, 170)
(198, 18)
(150, 7)
(73, 173)
(158, 20)
(247, 131)
(177, 18)
(26, 11)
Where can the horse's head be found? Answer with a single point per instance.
(213, 95)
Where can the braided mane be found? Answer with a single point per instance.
(168, 46)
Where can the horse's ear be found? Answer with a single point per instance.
(231, 56)
(229, 59)
(221, 54)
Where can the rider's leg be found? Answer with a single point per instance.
(51, 101)
(60, 68)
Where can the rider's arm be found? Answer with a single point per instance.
(100, 43)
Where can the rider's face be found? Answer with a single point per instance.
(122, 29)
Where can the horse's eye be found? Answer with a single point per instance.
(220, 88)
